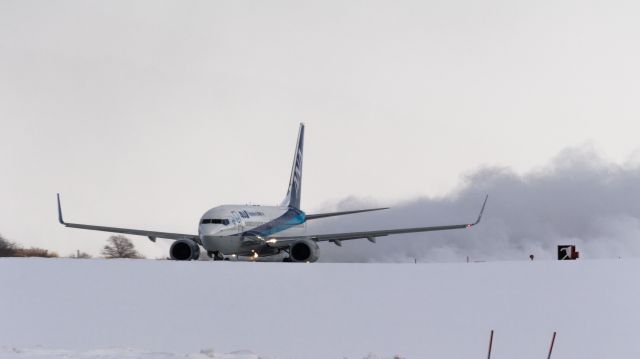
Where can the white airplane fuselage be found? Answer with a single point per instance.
(223, 228)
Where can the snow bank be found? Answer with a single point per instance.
(283, 310)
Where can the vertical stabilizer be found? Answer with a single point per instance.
(295, 182)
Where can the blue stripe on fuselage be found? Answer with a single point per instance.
(292, 217)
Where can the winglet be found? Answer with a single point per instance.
(60, 212)
(481, 212)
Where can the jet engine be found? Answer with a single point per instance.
(184, 250)
(304, 250)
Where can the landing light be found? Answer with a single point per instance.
(272, 241)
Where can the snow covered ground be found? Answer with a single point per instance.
(70, 308)
(117, 353)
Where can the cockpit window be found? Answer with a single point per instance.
(215, 221)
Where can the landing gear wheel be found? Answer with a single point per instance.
(287, 260)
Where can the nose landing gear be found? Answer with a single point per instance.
(216, 255)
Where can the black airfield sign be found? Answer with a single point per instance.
(567, 253)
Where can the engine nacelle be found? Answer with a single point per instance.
(304, 250)
(184, 250)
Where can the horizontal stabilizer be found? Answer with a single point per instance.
(332, 214)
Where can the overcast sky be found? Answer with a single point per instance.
(145, 114)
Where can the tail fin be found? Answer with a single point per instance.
(295, 182)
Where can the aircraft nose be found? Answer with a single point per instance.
(211, 228)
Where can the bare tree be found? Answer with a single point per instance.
(35, 252)
(10, 249)
(7, 248)
(120, 247)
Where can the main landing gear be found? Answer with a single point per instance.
(287, 259)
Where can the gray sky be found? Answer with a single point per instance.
(145, 114)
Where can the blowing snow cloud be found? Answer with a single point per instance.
(579, 198)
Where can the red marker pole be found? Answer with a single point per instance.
(553, 340)
(490, 345)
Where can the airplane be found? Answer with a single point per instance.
(260, 231)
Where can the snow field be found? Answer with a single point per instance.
(322, 311)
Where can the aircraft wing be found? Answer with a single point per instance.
(137, 232)
(336, 238)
